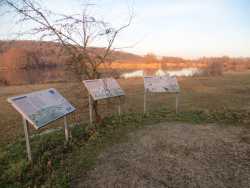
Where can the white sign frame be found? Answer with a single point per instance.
(161, 88)
(104, 92)
(27, 120)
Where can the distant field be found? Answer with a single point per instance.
(231, 91)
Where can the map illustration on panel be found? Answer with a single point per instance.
(42, 107)
(103, 88)
(159, 84)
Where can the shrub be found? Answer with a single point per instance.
(214, 69)
(4, 82)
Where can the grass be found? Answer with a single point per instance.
(57, 164)
(228, 93)
(203, 100)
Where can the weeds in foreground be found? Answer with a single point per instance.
(57, 163)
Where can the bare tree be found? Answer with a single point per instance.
(74, 32)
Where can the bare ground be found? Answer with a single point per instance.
(175, 155)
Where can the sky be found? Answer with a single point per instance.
(183, 28)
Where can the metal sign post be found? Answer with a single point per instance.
(66, 130)
(119, 109)
(176, 103)
(145, 101)
(26, 133)
(90, 110)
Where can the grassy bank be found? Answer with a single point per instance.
(223, 100)
(226, 96)
(57, 164)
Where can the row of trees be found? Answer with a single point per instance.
(210, 65)
(18, 58)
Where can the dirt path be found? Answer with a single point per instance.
(175, 155)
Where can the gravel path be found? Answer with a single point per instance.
(175, 155)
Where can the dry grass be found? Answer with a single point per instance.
(161, 155)
(198, 93)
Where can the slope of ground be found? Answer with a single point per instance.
(227, 97)
(39, 53)
(175, 155)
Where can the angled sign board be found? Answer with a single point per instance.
(103, 88)
(99, 89)
(42, 107)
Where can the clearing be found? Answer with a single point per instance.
(228, 92)
(175, 155)
(208, 147)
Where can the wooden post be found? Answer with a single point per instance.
(66, 130)
(90, 110)
(26, 133)
(176, 102)
(145, 101)
(119, 108)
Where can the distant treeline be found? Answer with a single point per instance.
(30, 55)
(23, 62)
(16, 55)
(234, 64)
(210, 65)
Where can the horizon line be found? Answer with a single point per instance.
(139, 54)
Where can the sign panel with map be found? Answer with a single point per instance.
(42, 107)
(103, 88)
(159, 84)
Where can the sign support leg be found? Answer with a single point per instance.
(90, 110)
(145, 101)
(26, 132)
(66, 130)
(176, 103)
(119, 108)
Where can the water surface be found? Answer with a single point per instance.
(161, 72)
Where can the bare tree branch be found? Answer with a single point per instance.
(75, 32)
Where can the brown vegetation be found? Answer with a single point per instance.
(224, 63)
(16, 55)
(197, 93)
(19, 56)
(18, 59)
(31, 54)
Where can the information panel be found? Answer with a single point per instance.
(42, 107)
(159, 84)
(103, 88)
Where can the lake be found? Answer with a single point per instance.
(60, 75)
(161, 72)
(32, 76)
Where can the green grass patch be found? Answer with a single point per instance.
(57, 164)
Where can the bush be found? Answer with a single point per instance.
(4, 82)
(214, 69)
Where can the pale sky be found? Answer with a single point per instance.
(184, 28)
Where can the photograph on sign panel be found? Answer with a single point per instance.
(43, 107)
(103, 88)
